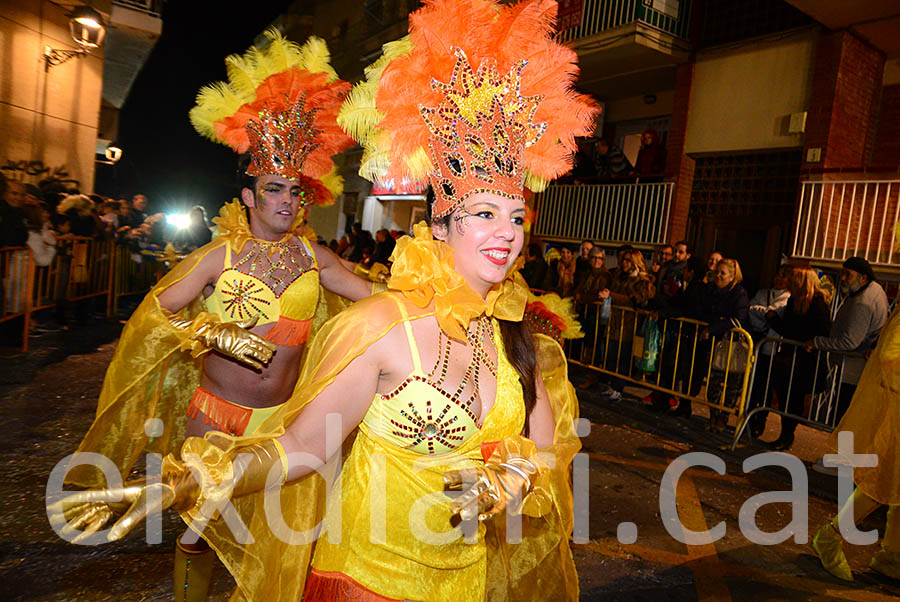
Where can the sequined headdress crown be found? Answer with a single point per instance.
(425, 111)
(280, 103)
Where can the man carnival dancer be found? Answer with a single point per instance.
(479, 100)
(242, 305)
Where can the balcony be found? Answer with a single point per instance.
(837, 219)
(134, 27)
(600, 16)
(627, 47)
(611, 214)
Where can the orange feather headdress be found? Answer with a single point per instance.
(280, 103)
(477, 98)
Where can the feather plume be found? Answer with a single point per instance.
(358, 116)
(315, 58)
(240, 70)
(374, 163)
(334, 183)
(383, 112)
(275, 78)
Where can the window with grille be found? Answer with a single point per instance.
(748, 183)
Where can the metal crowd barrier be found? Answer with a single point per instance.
(806, 385)
(17, 271)
(714, 372)
(132, 277)
(83, 268)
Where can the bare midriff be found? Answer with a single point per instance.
(241, 384)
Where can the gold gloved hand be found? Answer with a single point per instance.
(377, 273)
(491, 488)
(233, 339)
(88, 511)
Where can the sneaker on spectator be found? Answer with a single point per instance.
(608, 393)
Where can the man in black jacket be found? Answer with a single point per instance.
(535, 269)
(13, 231)
(136, 216)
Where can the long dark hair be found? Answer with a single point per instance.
(517, 338)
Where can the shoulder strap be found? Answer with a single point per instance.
(309, 250)
(413, 348)
(227, 256)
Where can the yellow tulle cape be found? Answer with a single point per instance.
(151, 377)
(270, 568)
(874, 418)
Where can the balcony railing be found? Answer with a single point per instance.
(841, 219)
(670, 16)
(149, 7)
(607, 213)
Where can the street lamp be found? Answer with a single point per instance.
(113, 153)
(88, 30)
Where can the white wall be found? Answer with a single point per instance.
(372, 214)
(741, 99)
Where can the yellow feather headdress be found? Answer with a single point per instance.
(280, 103)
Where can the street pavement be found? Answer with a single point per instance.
(48, 398)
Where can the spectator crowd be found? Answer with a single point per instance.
(31, 216)
(60, 227)
(672, 319)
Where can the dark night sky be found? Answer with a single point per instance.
(163, 156)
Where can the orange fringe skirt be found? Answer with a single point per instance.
(226, 416)
(324, 586)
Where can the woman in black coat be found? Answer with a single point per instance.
(794, 373)
(723, 305)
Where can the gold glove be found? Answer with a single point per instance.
(233, 339)
(254, 463)
(377, 273)
(492, 488)
(88, 511)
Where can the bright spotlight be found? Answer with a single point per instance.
(179, 220)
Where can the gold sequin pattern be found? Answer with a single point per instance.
(280, 141)
(479, 132)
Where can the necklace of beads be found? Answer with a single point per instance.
(476, 341)
(476, 338)
(272, 258)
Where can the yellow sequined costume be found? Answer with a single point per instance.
(151, 375)
(874, 418)
(399, 565)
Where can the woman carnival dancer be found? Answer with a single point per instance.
(217, 344)
(444, 385)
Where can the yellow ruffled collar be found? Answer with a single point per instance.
(423, 271)
(232, 223)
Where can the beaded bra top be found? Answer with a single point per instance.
(248, 288)
(423, 416)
